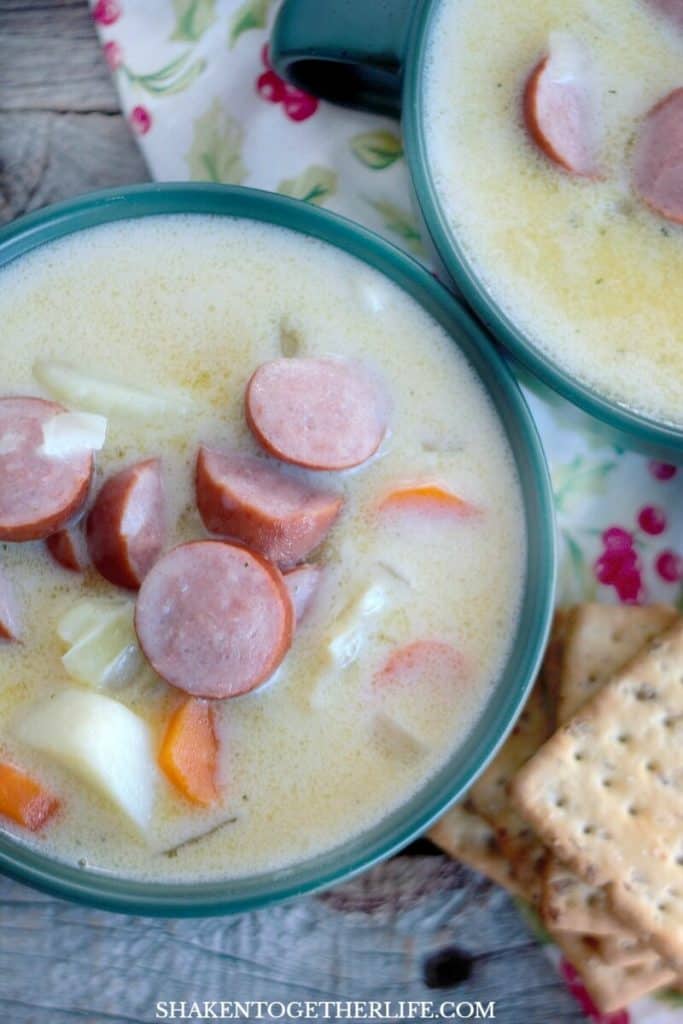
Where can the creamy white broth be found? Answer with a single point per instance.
(196, 304)
(583, 267)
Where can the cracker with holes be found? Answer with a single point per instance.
(490, 796)
(611, 985)
(606, 792)
(465, 836)
(599, 640)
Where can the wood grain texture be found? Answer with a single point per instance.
(367, 939)
(61, 131)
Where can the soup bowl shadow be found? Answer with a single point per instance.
(202, 898)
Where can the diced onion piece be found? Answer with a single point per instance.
(102, 742)
(107, 397)
(70, 433)
(103, 647)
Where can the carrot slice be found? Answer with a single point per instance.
(427, 498)
(421, 661)
(24, 800)
(189, 752)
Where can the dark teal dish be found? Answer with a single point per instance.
(115, 893)
(369, 54)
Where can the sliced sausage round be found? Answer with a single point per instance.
(214, 619)
(252, 500)
(302, 584)
(672, 9)
(126, 525)
(10, 624)
(38, 492)
(658, 170)
(317, 413)
(557, 110)
(68, 549)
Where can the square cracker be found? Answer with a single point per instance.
(611, 986)
(464, 835)
(600, 639)
(606, 792)
(490, 796)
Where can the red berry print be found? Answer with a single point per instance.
(113, 55)
(270, 87)
(662, 470)
(106, 12)
(578, 990)
(669, 566)
(652, 520)
(141, 120)
(617, 539)
(618, 565)
(299, 106)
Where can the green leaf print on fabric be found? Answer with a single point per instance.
(579, 478)
(670, 996)
(193, 17)
(251, 14)
(216, 150)
(314, 185)
(377, 150)
(532, 920)
(400, 221)
(575, 580)
(173, 78)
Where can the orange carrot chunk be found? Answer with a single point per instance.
(24, 800)
(427, 498)
(189, 752)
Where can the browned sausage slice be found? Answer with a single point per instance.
(557, 111)
(68, 549)
(214, 619)
(10, 626)
(317, 413)
(38, 492)
(672, 9)
(251, 500)
(126, 525)
(658, 172)
(302, 584)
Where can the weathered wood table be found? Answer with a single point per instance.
(416, 921)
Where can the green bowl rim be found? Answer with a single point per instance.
(120, 894)
(646, 430)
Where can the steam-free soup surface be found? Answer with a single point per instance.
(583, 266)
(192, 306)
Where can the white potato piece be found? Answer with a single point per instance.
(71, 433)
(103, 743)
(395, 739)
(107, 397)
(103, 646)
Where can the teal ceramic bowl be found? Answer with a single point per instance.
(369, 54)
(113, 893)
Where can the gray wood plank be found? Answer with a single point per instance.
(367, 939)
(50, 58)
(45, 157)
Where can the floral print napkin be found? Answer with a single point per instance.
(198, 89)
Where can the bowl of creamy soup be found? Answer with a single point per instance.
(276, 549)
(545, 142)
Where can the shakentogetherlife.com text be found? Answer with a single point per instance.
(326, 1009)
